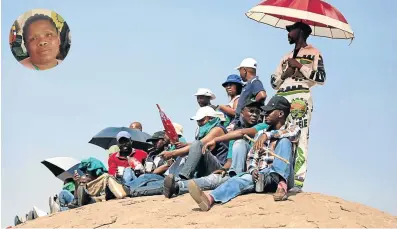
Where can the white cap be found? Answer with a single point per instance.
(123, 134)
(247, 63)
(203, 112)
(205, 92)
(178, 128)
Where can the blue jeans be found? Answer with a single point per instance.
(239, 185)
(143, 180)
(240, 150)
(203, 164)
(65, 198)
(209, 182)
(128, 176)
(146, 185)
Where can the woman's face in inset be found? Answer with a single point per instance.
(42, 42)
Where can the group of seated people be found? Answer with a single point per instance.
(238, 147)
(226, 162)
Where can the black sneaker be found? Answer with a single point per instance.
(170, 186)
(73, 204)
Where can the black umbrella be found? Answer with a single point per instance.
(62, 167)
(107, 137)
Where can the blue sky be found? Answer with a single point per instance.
(128, 56)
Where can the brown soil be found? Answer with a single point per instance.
(254, 210)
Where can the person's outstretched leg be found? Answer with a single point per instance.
(192, 161)
(173, 187)
(230, 189)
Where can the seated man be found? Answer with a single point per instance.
(90, 187)
(278, 176)
(197, 162)
(238, 146)
(236, 157)
(147, 184)
(127, 157)
(151, 184)
(154, 163)
(65, 197)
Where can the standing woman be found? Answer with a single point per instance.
(42, 41)
(233, 86)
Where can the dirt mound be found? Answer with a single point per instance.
(254, 210)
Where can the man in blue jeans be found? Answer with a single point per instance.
(236, 157)
(147, 184)
(280, 136)
(65, 197)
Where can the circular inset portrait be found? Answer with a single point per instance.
(40, 39)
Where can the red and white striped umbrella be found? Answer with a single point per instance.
(324, 19)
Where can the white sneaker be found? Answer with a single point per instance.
(30, 215)
(38, 213)
(54, 206)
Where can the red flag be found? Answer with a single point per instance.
(168, 127)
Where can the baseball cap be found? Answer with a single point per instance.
(123, 134)
(203, 112)
(303, 26)
(253, 103)
(178, 128)
(205, 92)
(247, 63)
(277, 103)
(156, 136)
(233, 79)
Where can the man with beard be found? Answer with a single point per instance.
(154, 163)
(278, 175)
(127, 157)
(298, 71)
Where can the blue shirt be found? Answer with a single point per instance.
(258, 127)
(250, 90)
